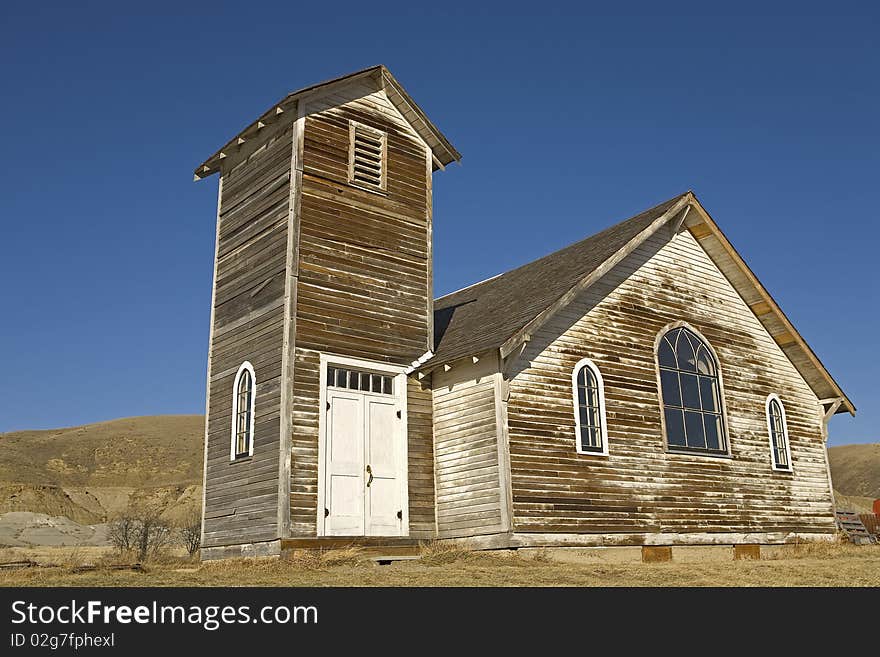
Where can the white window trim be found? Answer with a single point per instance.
(679, 451)
(245, 367)
(778, 468)
(603, 425)
(400, 394)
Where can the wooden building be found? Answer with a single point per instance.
(639, 387)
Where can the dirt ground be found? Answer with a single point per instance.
(835, 565)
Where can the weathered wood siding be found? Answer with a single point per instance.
(363, 281)
(468, 478)
(420, 452)
(363, 255)
(241, 497)
(640, 487)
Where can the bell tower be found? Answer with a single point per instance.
(323, 294)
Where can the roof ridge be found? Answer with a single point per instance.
(671, 200)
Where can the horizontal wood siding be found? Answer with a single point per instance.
(304, 443)
(420, 447)
(241, 497)
(363, 287)
(469, 496)
(640, 487)
(363, 256)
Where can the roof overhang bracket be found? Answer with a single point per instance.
(830, 406)
(508, 360)
(676, 222)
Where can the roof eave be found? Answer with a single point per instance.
(847, 406)
(443, 151)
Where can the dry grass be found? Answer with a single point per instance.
(807, 565)
(323, 559)
(438, 553)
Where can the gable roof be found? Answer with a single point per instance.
(443, 151)
(504, 311)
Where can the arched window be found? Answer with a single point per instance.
(778, 430)
(693, 415)
(243, 412)
(589, 408)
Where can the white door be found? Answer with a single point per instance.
(363, 471)
(345, 464)
(383, 512)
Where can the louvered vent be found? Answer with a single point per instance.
(367, 166)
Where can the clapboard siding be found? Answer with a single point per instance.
(468, 480)
(420, 453)
(362, 284)
(241, 498)
(304, 443)
(640, 487)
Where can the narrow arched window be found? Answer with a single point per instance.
(693, 416)
(589, 409)
(243, 412)
(778, 430)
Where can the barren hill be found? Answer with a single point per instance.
(89, 473)
(162, 450)
(855, 469)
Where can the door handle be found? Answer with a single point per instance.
(369, 472)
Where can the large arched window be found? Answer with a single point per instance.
(693, 415)
(243, 412)
(778, 430)
(589, 408)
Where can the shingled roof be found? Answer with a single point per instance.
(483, 316)
(502, 312)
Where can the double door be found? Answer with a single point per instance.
(362, 479)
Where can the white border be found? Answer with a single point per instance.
(245, 366)
(603, 425)
(790, 467)
(400, 395)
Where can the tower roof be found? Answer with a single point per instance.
(443, 151)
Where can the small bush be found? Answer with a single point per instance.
(122, 532)
(141, 531)
(190, 531)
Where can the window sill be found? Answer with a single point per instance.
(600, 454)
(783, 470)
(705, 455)
(241, 459)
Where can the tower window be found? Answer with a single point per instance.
(367, 152)
(243, 396)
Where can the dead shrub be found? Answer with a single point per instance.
(190, 531)
(140, 530)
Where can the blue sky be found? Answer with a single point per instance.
(568, 119)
